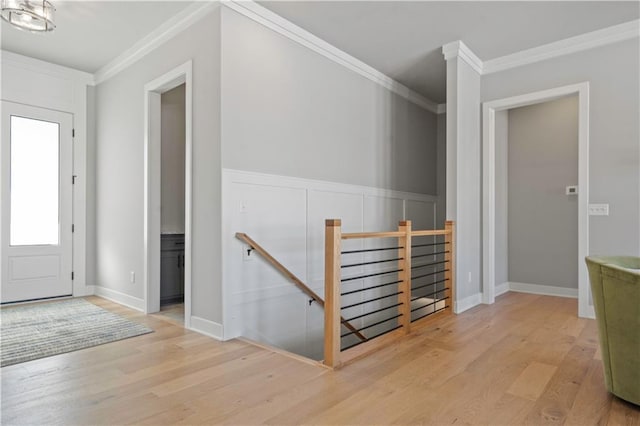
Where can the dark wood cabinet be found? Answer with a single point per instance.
(171, 268)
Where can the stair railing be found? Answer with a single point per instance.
(407, 305)
(294, 279)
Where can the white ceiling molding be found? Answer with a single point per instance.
(459, 49)
(43, 67)
(163, 33)
(602, 37)
(614, 34)
(288, 29)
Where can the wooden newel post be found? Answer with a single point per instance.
(332, 243)
(450, 256)
(404, 276)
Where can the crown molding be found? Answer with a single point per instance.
(275, 22)
(43, 67)
(459, 49)
(609, 35)
(603, 37)
(187, 17)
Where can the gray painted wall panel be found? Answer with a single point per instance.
(543, 220)
(290, 111)
(172, 163)
(119, 168)
(502, 179)
(614, 167)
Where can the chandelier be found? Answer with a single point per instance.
(29, 15)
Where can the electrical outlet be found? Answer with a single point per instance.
(598, 209)
(132, 277)
(469, 277)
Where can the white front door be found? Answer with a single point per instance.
(36, 182)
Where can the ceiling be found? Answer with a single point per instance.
(404, 39)
(90, 34)
(401, 39)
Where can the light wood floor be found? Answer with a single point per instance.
(525, 360)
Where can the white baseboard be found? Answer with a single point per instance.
(544, 290)
(206, 327)
(467, 303)
(502, 288)
(118, 297)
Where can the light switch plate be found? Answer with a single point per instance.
(571, 190)
(598, 209)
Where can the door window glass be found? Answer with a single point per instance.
(34, 182)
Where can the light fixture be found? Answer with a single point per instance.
(29, 15)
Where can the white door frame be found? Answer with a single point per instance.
(152, 174)
(489, 185)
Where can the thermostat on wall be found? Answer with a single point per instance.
(572, 190)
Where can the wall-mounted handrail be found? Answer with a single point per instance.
(443, 283)
(294, 279)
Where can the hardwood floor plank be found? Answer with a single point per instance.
(532, 381)
(527, 359)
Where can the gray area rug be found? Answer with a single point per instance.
(40, 330)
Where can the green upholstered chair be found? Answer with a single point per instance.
(615, 286)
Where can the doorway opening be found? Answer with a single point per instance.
(168, 179)
(559, 187)
(172, 208)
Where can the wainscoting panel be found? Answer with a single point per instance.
(286, 216)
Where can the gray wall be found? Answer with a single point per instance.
(119, 183)
(172, 163)
(441, 170)
(91, 187)
(502, 187)
(543, 220)
(614, 131)
(289, 111)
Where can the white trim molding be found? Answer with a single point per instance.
(119, 297)
(182, 74)
(43, 67)
(206, 327)
(489, 184)
(169, 29)
(614, 34)
(467, 303)
(544, 290)
(602, 37)
(275, 22)
(459, 49)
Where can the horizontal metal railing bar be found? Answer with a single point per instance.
(371, 325)
(373, 262)
(371, 300)
(422, 307)
(429, 254)
(429, 245)
(370, 275)
(427, 295)
(390, 234)
(420, 317)
(428, 275)
(372, 337)
(373, 312)
(369, 288)
(427, 285)
(429, 264)
(368, 250)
